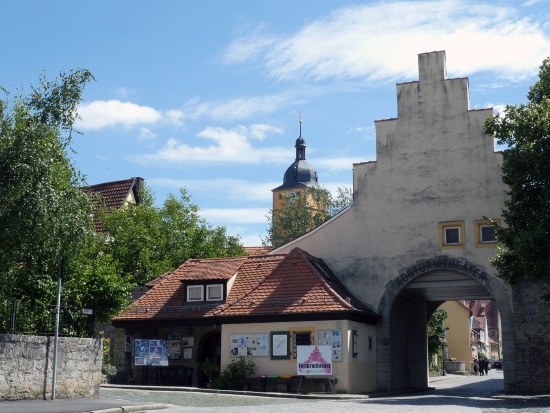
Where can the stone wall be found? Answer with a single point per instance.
(532, 329)
(26, 367)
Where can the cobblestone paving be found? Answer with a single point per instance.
(451, 395)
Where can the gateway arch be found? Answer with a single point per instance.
(417, 209)
(408, 301)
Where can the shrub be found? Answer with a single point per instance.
(232, 374)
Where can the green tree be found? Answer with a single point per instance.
(146, 241)
(304, 213)
(436, 335)
(525, 129)
(43, 213)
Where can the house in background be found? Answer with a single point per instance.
(115, 194)
(458, 336)
(474, 326)
(487, 317)
(257, 307)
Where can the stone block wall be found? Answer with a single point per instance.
(26, 367)
(532, 330)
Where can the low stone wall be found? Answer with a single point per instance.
(26, 367)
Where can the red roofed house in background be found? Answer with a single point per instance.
(259, 307)
(116, 194)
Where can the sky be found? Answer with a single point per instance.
(207, 95)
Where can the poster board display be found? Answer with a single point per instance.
(151, 352)
(331, 338)
(248, 345)
(174, 349)
(314, 360)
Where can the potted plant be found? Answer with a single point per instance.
(211, 369)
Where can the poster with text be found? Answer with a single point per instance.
(332, 338)
(248, 345)
(314, 360)
(151, 352)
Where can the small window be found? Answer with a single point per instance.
(486, 233)
(195, 293)
(301, 338)
(451, 234)
(214, 292)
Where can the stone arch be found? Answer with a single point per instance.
(443, 263)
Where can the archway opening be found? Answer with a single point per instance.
(408, 303)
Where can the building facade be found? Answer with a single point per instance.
(417, 234)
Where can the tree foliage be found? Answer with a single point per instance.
(302, 214)
(43, 213)
(146, 241)
(525, 129)
(436, 332)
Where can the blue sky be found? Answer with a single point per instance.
(205, 94)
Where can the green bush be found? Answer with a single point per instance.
(231, 375)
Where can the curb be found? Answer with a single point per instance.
(127, 409)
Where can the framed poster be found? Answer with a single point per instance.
(248, 345)
(187, 353)
(314, 360)
(174, 349)
(331, 338)
(188, 341)
(151, 352)
(280, 345)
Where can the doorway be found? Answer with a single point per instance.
(209, 348)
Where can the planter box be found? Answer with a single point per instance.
(454, 366)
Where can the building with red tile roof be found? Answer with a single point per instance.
(115, 194)
(215, 300)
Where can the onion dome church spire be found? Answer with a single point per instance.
(300, 174)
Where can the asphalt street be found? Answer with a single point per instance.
(451, 394)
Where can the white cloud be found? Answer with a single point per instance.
(146, 134)
(230, 145)
(235, 215)
(238, 108)
(499, 108)
(226, 187)
(101, 114)
(379, 42)
(340, 163)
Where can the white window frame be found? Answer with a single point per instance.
(481, 240)
(443, 227)
(478, 225)
(211, 286)
(445, 235)
(193, 287)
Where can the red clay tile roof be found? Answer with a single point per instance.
(257, 250)
(299, 284)
(166, 298)
(293, 283)
(114, 194)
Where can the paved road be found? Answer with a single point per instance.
(453, 394)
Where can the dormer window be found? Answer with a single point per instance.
(195, 292)
(214, 292)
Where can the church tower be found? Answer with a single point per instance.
(299, 176)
